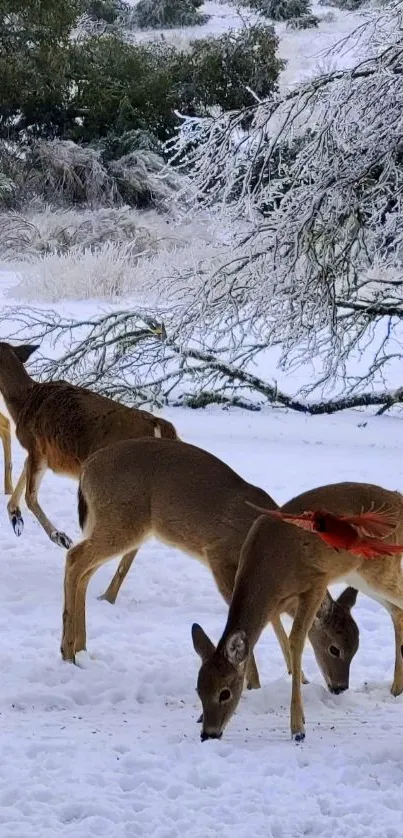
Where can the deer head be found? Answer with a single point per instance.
(221, 678)
(335, 637)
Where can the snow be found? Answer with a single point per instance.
(112, 747)
(304, 50)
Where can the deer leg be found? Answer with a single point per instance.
(77, 560)
(80, 634)
(35, 469)
(397, 618)
(82, 561)
(6, 442)
(308, 605)
(282, 639)
(114, 587)
(13, 509)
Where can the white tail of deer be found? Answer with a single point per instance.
(60, 425)
(190, 499)
(274, 566)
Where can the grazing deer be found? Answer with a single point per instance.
(279, 562)
(5, 436)
(188, 498)
(60, 425)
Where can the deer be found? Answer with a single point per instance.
(188, 498)
(5, 435)
(279, 563)
(60, 425)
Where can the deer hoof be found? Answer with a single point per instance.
(17, 523)
(67, 655)
(107, 598)
(299, 737)
(200, 720)
(396, 689)
(61, 539)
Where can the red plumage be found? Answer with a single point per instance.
(359, 534)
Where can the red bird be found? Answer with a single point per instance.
(358, 534)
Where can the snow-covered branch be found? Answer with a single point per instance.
(318, 175)
(137, 359)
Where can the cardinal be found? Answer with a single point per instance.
(359, 534)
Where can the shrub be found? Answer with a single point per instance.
(65, 174)
(104, 87)
(154, 14)
(141, 181)
(122, 87)
(114, 145)
(222, 71)
(281, 9)
(137, 87)
(105, 253)
(110, 11)
(303, 22)
(35, 82)
(7, 189)
(348, 5)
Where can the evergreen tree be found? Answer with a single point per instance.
(34, 50)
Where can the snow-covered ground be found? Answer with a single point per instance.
(113, 748)
(304, 50)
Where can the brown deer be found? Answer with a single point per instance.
(188, 498)
(60, 425)
(279, 562)
(5, 436)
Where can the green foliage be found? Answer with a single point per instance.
(348, 5)
(34, 75)
(303, 22)
(115, 146)
(7, 190)
(281, 9)
(110, 11)
(222, 71)
(153, 14)
(102, 87)
(122, 87)
(130, 87)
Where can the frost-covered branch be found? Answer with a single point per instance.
(136, 358)
(319, 177)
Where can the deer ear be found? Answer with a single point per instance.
(24, 351)
(236, 648)
(348, 598)
(202, 644)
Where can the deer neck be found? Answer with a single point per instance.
(15, 387)
(245, 614)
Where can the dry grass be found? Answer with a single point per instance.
(105, 254)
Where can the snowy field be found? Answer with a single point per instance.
(113, 748)
(304, 50)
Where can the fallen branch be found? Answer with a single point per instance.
(138, 358)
